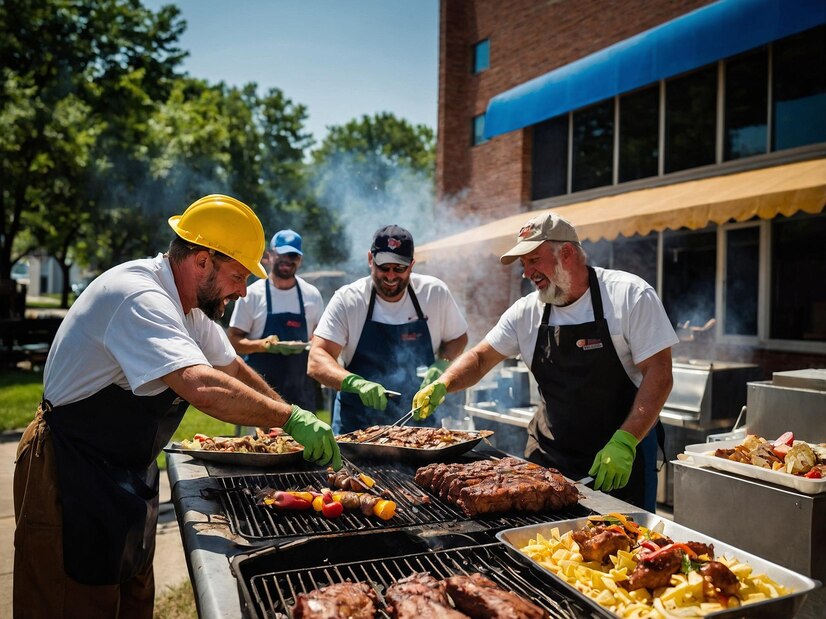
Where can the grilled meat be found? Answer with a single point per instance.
(702, 549)
(489, 486)
(652, 573)
(347, 600)
(719, 580)
(596, 543)
(410, 436)
(482, 598)
(419, 596)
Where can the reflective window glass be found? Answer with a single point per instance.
(481, 56)
(798, 293)
(638, 137)
(478, 130)
(799, 90)
(746, 105)
(593, 146)
(689, 271)
(637, 255)
(741, 282)
(690, 120)
(549, 169)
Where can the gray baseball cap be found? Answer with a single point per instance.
(546, 227)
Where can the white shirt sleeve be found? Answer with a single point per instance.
(333, 323)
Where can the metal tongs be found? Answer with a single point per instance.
(396, 424)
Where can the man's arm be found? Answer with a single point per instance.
(243, 345)
(451, 350)
(220, 395)
(654, 389)
(470, 367)
(323, 364)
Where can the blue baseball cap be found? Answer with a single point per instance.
(287, 242)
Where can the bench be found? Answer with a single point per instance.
(26, 339)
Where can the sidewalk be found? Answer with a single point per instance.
(170, 564)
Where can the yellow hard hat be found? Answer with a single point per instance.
(226, 225)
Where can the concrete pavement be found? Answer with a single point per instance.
(170, 564)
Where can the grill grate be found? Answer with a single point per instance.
(274, 594)
(256, 522)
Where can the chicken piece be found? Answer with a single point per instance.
(597, 543)
(702, 549)
(718, 580)
(346, 600)
(656, 572)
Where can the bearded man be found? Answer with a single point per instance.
(599, 344)
(383, 327)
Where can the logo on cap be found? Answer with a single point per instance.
(393, 243)
(526, 231)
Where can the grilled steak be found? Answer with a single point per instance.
(481, 598)
(420, 596)
(346, 600)
(489, 486)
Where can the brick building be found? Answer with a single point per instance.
(685, 139)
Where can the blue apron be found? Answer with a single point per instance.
(586, 396)
(287, 374)
(388, 355)
(105, 448)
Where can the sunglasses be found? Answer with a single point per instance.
(396, 268)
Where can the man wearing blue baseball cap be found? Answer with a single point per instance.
(273, 324)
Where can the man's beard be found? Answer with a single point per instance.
(390, 294)
(558, 290)
(210, 301)
(276, 270)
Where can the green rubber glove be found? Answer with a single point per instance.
(434, 371)
(317, 437)
(371, 394)
(284, 349)
(428, 399)
(612, 465)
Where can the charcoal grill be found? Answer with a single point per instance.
(259, 523)
(272, 594)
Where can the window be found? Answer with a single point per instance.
(549, 171)
(593, 146)
(689, 273)
(746, 106)
(639, 134)
(741, 280)
(478, 130)
(799, 90)
(798, 293)
(690, 120)
(481, 56)
(637, 255)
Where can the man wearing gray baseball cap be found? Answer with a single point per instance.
(598, 342)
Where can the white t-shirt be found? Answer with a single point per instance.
(639, 326)
(129, 328)
(250, 312)
(343, 320)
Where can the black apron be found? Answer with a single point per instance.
(105, 448)
(586, 396)
(287, 374)
(388, 355)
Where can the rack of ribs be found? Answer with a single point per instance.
(495, 486)
(346, 600)
(419, 596)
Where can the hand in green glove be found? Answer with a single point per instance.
(371, 394)
(428, 399)
(434, 371)
(612, 465)
(284, 349)
(317, 437)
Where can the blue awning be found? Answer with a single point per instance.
(716, 31)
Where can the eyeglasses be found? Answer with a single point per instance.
(396, 268)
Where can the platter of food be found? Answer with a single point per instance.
(641, 565)
(412, 444)
(273, 449)
(787, 462)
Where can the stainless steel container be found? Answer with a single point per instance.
(792, 401)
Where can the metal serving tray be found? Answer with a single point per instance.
(376, 451)
(703, 454)
(260, 460)
(784, 606)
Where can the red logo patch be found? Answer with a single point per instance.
(589, 344)
(410, 337)
(526, 231)
(293, 323)
(394, 243)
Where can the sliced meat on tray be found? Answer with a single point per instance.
(495, 486)
(480, 597)
(419, 596)
(346, 600)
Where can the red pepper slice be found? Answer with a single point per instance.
(285, 500)
(684, 547)
(813, 474)
(333, 509)
(649, 545)
(787, 438)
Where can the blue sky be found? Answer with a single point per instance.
(342, 59)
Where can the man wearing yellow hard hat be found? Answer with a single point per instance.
(136, 348)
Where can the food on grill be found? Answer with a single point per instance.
(342, 480)
(478, 596)
(346, 600)
(656, 576)
(324, 502)
(273, 442)
(783, 454)
(418, 438)
(495, 486)
(420, 596)
(299, 501)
